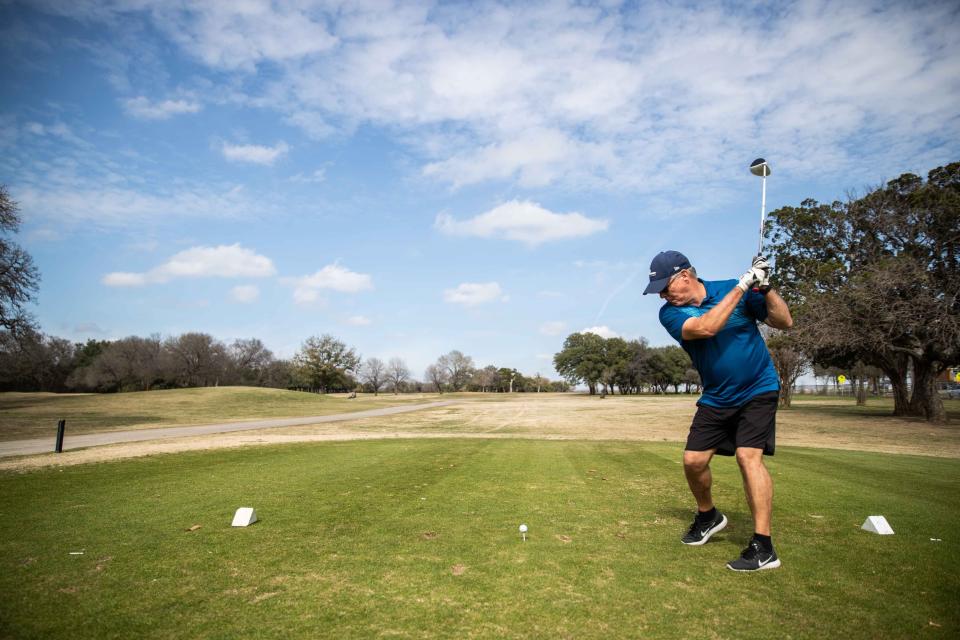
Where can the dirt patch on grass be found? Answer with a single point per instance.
(828, 423)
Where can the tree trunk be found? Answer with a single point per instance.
(860, 387)
(786, 396)
(926, 401)
(895, 369)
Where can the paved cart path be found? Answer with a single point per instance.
(46, 445)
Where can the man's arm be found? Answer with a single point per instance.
(778, 314)
(710, 323)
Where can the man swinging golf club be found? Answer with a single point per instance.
(716, 324)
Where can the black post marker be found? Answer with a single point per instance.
(60, 428)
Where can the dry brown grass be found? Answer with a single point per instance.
(813, 422)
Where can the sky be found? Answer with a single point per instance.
(418, 177)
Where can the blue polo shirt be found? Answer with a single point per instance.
(734, 365)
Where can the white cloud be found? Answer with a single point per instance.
(141, 107)
(552, 328)
(252, 153)
(471, 294)
(72, 200)
(602, 331)
(242, 35)
(125, 279)
(558, 93)
(302, 296)
(332, 277)
(359, 321)
(245, 294)
(318, 176)
(224, 261)
(523, 221)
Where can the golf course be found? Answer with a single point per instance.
(407, 525)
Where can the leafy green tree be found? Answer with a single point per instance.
(877, 280)
(326, 363)
(89, 350)
(582, 360)
(509, 380)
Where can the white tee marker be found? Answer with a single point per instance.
(244, 517)
(877, 524)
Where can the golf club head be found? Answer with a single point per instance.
(759, 167)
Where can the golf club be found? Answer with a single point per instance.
(759, 167)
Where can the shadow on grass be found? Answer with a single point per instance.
(875, 408)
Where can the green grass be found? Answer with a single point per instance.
(360, 539)
(34, 415)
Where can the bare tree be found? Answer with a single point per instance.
(397, 373)
(788, 360)
(33, 361)
(249, 361)
(437, 376)
(19, 278)
(374, 373)
(458, 367)
(485, 379)
(195, 359)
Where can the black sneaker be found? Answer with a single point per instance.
(754, 558)
(700, 532)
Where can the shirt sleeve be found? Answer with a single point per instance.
(672, 320)
(756, 305)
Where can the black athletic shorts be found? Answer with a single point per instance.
(724, 429)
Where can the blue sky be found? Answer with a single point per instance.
(419, 177)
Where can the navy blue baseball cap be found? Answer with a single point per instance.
(663, 267)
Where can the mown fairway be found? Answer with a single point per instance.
(419, 539)
(32, 415)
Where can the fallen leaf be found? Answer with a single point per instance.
(193, 528)
(458, 569)
(430, 535)
(934, 624)
(563, 538)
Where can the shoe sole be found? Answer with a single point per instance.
(769, 565)
(719, 527)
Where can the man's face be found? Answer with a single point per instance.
(680, 290)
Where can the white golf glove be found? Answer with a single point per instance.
(750, 279)
(759, 262)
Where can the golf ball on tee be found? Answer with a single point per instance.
(523, 528)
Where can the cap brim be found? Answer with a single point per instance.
(656, 286)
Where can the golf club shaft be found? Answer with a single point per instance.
(763, 213)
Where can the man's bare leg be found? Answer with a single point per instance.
(758, 486)
(696, 466)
